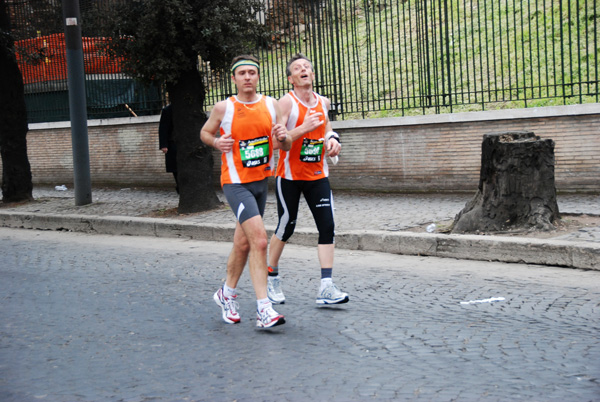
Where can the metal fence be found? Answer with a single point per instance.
(380, 58)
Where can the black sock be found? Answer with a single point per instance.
(326, 273)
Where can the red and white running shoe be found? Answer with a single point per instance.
(268, 318)
(229, 307)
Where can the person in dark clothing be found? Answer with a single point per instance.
(166, 142)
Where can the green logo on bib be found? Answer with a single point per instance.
(311, 150)
(254, 152)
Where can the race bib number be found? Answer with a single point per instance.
(254, 152)
(311, 150)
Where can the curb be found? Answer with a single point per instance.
(560, 253)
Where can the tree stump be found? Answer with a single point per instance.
(516, 186)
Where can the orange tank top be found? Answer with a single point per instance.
(251, 158)
(306, 159)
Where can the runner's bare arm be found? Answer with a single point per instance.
(281, 138)
(208, 133)
(333, 145)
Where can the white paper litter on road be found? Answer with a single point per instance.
(490, 300)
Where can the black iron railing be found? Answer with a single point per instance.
(379, 58)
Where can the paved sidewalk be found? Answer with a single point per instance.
(378, 222)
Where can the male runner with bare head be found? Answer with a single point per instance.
(304, 170)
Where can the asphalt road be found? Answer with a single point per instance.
(114, 318)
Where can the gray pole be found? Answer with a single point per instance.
(77, 103)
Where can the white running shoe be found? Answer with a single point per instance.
(229, 307)
(268, 318)
(332, 295)
(274, 290)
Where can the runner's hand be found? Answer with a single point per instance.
(333, 147)
(279, 132)
(312, 120)
(224, 143)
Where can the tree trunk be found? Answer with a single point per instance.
(16, 171)
(516, 186)
(194, 159)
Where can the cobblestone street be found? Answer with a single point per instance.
(112, 318)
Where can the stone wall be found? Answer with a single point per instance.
(443, 152)
(123, 152)
(416, 153)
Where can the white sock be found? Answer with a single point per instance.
(326, 282)
(228, 292)
(262, 304)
